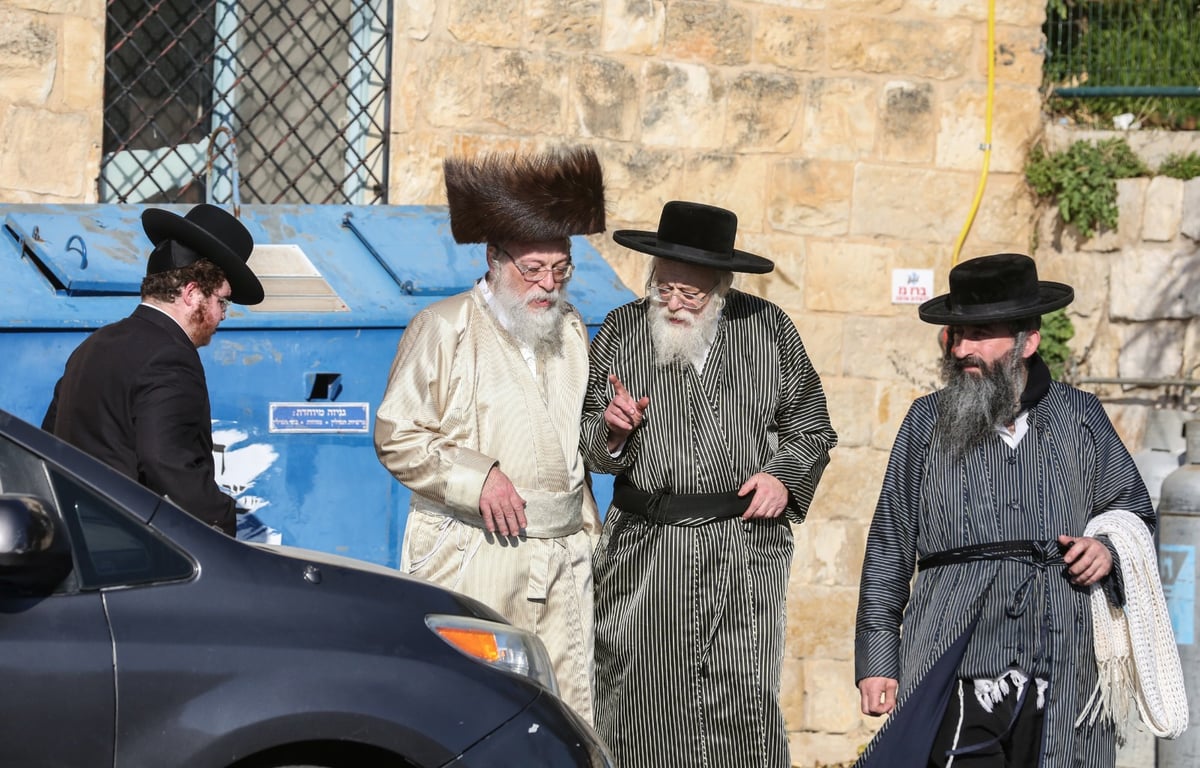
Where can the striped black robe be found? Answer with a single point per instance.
(929, 504)
(690, 619)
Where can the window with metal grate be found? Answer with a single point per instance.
(258, 101)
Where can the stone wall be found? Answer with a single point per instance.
(52, 68)
(846, 134)
(1137, 288)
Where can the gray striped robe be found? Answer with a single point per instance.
(1070, 466)
(690, 618)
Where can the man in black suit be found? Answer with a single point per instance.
(133, 393)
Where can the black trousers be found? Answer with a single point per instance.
(1010, 736)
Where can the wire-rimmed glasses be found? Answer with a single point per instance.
(661, 293)
(537, 274)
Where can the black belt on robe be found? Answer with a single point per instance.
(664, 508)
(1035, 553)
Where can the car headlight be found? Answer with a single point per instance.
(498, 645)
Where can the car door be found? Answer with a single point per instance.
(57, 701)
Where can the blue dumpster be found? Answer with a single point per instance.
(293, 381)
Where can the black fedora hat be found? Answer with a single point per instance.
(995, 289)
(208, 232)
(697, 234)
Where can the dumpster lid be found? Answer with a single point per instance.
(83, 255)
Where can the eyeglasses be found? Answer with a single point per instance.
(537, 274)
(224, 302)
(661, 293)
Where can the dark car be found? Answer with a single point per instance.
(131, 634)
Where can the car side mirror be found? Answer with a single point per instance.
(34, 552)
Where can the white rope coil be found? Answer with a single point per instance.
(1135, 647)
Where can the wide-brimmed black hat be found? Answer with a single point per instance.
(208, 232)
(994, 289)
(696, 234)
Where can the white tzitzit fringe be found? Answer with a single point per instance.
(1136, 653)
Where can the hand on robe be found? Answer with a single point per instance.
(502, 507)
(770, 496)
(623, 414)
(878, 695)
(1087, 559)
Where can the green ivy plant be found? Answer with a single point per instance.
(1180, 166)
(1057, 330)
(1082, 180)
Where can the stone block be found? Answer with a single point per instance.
(831, 703)
(91, 9)
(416, 18)
(1086, 273)
(847, 400)
(907, 123)
(80, 79)
(822, 335)
(840, 118)
(763, 112)
(880, 7)
(892, 348)
(1131, 201)
(1020, 54)
(810, 196)
(791, 689)
(1154, 283)
(710, 32)
(961, 134)
(1152, 350)
(415, 173)
(442, 85)
(910, 203)
(526, 92)
(850, 486)
(1005, 219)
(892, 404)
(637, 181)
(789, 39)
(1190, 225)
(631, 27)
(564, 24)
(1163, 214)
(1028, 13)
(28, 56)
(605, 99)
(829, 553)
(820, 620)
(834, 265)
(486, 22)
(684, 106)
(938, 50)
(39, 133)
(736, 182)
(810, 749)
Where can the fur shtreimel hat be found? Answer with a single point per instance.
(502, 198)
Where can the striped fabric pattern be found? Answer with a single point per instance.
(1070, 466)
(690, 618)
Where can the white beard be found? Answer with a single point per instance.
(538, 329)
(684, 343)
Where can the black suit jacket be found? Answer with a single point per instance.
(134, 396)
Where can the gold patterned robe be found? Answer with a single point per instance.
(460, 399)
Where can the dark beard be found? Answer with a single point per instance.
(971, 407)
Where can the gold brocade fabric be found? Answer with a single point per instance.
(460, 399)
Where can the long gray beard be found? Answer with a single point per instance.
(970, 408)
(538, 329)
(683, 345)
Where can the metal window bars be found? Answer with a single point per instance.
(302, 85)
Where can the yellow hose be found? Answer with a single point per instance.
(987, 131)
